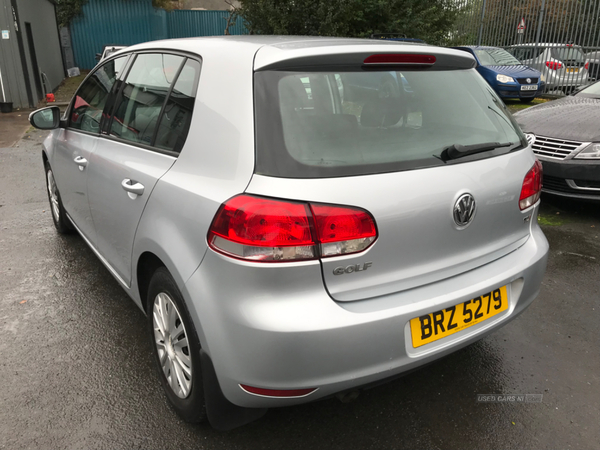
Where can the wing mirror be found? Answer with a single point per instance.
(45, 118)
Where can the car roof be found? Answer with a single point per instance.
(544, 44)
(272, 49)
(248, 42)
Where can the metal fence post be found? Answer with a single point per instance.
(539, 32)
(481, 24)
(540, 20)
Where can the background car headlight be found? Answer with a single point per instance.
(592, 151)
(543, 78)
(504, 79)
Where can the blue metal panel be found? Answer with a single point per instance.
(186, 23)
(120, 22)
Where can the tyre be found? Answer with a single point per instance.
(59, 217)
(176, 347)
(526, 100)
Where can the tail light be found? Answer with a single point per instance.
(587, 65)
(553, 65)
(271, 230)
(532, 187)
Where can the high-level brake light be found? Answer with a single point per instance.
(397, 58)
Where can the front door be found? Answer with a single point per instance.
(75, 144)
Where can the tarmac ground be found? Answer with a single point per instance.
(77, 369)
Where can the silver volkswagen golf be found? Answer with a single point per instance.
(298, 217)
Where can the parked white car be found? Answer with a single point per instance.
(107, 51)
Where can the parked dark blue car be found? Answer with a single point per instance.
(506, 74)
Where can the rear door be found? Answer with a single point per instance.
(150, 123)
(382, 150)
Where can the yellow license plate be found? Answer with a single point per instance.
(437, 325)
(573, 70)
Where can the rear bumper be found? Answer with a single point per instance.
(572, 178)
(565, 83)
(276, 328)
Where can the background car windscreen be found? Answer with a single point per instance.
(323, 124)
(496, 57)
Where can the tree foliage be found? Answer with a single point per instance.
(430, 20)
(67, 10)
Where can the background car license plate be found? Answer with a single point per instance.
(531, 87)
(573, 70)
(434, 326)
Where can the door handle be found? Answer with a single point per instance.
(81, 162)
(133, 188)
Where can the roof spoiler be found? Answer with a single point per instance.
(352, 57)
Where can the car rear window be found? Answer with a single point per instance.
(343, 123)
(568, 54)
(523, 53)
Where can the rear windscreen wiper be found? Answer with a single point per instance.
(456, 151)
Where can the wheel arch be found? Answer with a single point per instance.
(147, 264)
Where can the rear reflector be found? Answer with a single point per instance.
(270, 230)
(277, 392)
(394, 58)
(532, 187)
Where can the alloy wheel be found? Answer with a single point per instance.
(171, 340)
(53, 192)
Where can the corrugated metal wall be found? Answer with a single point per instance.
(114, 22)
(119, 22)
(201, 23)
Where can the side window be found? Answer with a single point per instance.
(524, 53)
(92, 95)
(138, 109)
(177, 116)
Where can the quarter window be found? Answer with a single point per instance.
(92, 95)
(176, 118)
(142, 97)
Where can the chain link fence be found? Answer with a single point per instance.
(560, 38)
